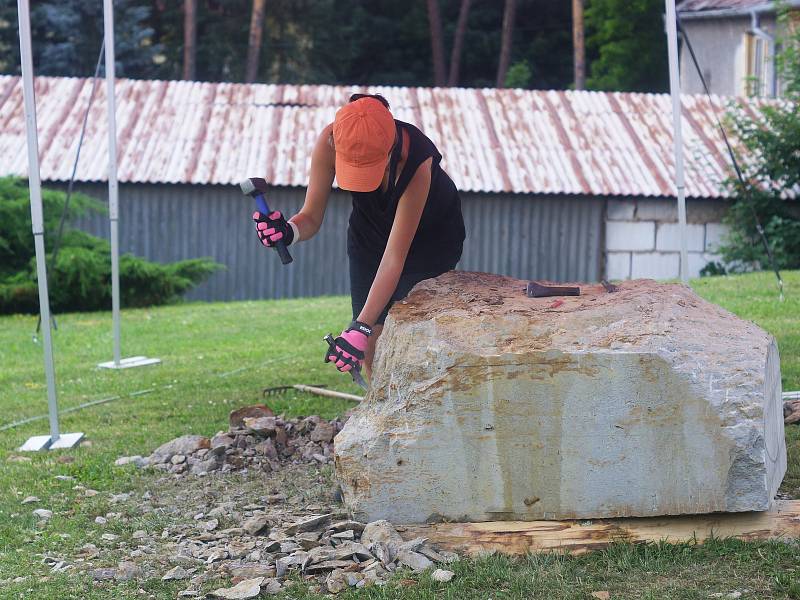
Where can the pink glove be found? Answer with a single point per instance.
(272, 228)
(348, 350)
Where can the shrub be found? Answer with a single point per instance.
(80, 278)
(771, 169)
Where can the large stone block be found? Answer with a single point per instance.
(656, 265)
(622, 235)
(618, 265)
(488, 405)
(668, 237)
(621, 210)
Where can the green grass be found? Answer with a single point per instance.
(219, 356)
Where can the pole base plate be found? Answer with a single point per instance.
(128, 363)
(39, 443)
(36, 443)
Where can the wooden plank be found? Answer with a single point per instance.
(577, 537)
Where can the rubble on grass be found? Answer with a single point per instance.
(259, 544)
(263, 517)
(256, 439)
(791, 412)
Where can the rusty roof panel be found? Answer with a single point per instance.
(521, 141)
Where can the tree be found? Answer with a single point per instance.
(509, 13)
(67, 35)
(771, 170)
(578, 44)
(627, 38)
(437, 43)
(189, 38)
(458, 43)
(380, 42)
(254, 41)
(519, 75)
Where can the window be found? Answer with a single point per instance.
(758, 65)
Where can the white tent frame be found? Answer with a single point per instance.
(677, 127)
(57, 440)
(113, 200)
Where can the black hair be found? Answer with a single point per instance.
(377, 97)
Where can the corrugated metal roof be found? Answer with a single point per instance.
(523, 141)
(699, 5)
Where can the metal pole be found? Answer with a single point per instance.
(675, 92)
(37, 214)
(113, 200)
(113, 189)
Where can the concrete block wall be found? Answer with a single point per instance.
(642, 237)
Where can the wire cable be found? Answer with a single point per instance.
(65, 211)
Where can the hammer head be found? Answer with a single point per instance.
(253, 186)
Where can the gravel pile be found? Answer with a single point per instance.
(256, 439)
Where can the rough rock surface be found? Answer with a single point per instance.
(488, 405)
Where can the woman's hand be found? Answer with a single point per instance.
(348, 350)
(273, 228)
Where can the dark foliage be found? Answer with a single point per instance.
(627, 46)
(80, 279)
(346, 41)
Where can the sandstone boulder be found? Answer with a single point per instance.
(488, 405)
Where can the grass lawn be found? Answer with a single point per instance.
(219, 356)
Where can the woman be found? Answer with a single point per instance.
(406, 223)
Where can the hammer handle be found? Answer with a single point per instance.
(280, 245)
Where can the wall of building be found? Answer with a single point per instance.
(642, 237)
(524, 236)
(720, 49)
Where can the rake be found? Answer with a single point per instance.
(318, 390)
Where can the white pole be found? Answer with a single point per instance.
(113, 189)
(37, 214)
(113, 200)
(675, 91)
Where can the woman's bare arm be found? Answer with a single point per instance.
(406, 221)
(320, 180)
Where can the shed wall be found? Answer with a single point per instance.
(525, 236)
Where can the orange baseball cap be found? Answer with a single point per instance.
(363, 136)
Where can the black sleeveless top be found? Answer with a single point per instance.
(440, 235)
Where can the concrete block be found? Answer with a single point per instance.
(668, 237)
(624, 235)
(663, 211)
(621, 210)
(618, 266)
(705, 211)
(486, 405)
(666, 211)
(656, 265)
(715, 233)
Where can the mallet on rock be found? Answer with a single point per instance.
(257, 187)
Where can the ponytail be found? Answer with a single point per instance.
(377, 97)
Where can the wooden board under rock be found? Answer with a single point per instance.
(577, 537)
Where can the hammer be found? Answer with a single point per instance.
(256, 187)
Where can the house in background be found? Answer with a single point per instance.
(564, 186)
(735, 42)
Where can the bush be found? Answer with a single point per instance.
(80, 279)
(771, 170)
